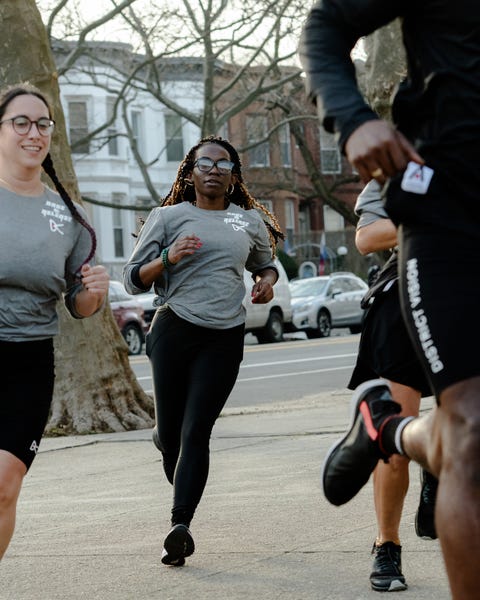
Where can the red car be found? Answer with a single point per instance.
(128, 313)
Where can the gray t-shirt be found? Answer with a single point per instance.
(370, 205)
(41, 248)
(206, 288)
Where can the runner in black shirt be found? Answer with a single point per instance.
(430, 160)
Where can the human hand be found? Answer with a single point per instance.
(262, 292)
(184, 246)
(378, 151)
(95, 281)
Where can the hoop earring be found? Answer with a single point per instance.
(188, 182)
(229, 191)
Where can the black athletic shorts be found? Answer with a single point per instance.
(439, 260)
(27, 376)
(386, 349)
(440, 298)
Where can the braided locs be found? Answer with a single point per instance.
(50, 171)
(181, 191)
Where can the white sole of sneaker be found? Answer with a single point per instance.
(395, 586)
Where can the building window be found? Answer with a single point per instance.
(112, 129)
(285, 146)
(333, 221)
(329, 153)
(289, 221)
(174, 137)
(117, 221)
(137, 130)
(78, 126)
(258, 155)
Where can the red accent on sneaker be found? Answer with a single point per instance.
(380, 431)
(367, 419)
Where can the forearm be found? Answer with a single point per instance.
(87, 304)
(87, 296)
(379, 235)
(150, 272)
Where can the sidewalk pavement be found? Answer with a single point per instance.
(94, 511)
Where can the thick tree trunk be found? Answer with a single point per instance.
(385, 67)
(95, 388)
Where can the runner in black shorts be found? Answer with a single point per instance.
(430, 161)
(386, 351)
(45, 247)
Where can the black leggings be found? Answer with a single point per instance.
(194, 370)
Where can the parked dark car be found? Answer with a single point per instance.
(129, 315)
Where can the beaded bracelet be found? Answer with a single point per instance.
(164, 256)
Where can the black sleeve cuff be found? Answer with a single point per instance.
(135, 277)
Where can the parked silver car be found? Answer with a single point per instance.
(321, 303)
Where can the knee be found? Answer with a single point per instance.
(398, 464)
(197, 437)
(468, 439)
(8, 495)
(461, 453)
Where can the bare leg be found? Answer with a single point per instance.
(447, 443)
(12, 471)
(390, 483)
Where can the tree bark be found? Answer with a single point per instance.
(95, 388)
(385, 67)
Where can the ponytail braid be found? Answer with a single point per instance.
(50, 171)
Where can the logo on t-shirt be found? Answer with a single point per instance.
(56, 213)
(236, 222)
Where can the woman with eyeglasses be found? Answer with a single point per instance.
(193, 250)
(46, 246)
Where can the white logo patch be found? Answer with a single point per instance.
(236, 221)
(34, 446)
(57, 215)
(416, 178)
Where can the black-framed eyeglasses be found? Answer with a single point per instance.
(205, 165)
(22, 125)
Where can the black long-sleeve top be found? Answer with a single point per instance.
(437, 106)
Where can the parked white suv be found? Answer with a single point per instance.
(268, 321)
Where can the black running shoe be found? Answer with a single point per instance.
(386, 575)
(352, 459)
(425, 517)
(177, 546)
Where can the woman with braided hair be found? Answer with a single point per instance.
(46, 245)
(193, 250)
